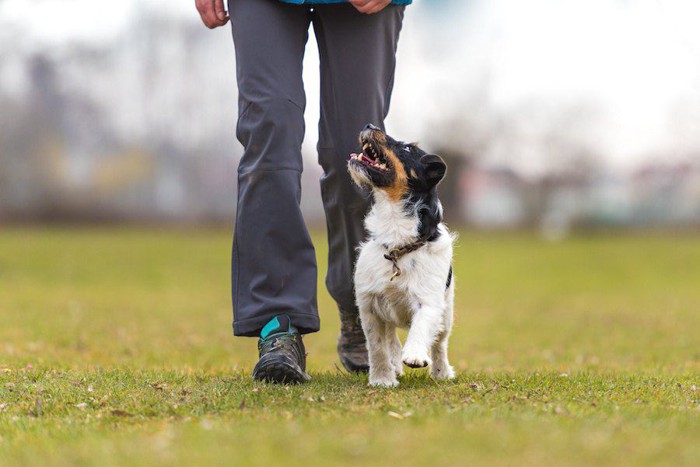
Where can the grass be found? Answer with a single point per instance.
(116, 349)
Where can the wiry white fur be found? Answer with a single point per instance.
(417, 299)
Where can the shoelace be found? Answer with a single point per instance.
(287, 340)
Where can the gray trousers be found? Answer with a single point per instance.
(273, 261)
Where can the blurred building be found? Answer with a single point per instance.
(137, 121)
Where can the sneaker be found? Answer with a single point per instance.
(352, 346)
(282, 353)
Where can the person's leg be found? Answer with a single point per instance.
(357, 55)
(273, 260)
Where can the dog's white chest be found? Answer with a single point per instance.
(422, 277)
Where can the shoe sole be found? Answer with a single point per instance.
(349, 364)
(278, 371)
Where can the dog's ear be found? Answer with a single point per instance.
(435, 169)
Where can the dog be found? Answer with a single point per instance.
(403, 274)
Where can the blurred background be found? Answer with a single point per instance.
(554, 115)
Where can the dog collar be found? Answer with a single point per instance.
(396, 253)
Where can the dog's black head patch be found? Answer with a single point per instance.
(404, 172)
(394, 166)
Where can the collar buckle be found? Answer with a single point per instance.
(396, 253)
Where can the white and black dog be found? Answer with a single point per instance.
(403, 275)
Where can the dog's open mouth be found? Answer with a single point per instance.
(371, 157)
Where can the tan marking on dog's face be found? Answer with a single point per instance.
(400, 185)
(413, 173)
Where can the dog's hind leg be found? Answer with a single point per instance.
(394, 348)
(441, 368)
(381, 368)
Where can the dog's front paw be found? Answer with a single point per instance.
(415, 359)
(383, 382)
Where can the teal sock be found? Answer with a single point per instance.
(278, 325)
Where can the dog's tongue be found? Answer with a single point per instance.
(362, 156)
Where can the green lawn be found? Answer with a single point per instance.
(116, 349)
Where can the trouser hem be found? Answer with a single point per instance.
(305, 323)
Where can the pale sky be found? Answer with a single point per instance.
(634, 63)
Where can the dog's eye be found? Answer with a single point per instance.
(407, 148)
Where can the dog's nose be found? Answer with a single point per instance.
(371, 127)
